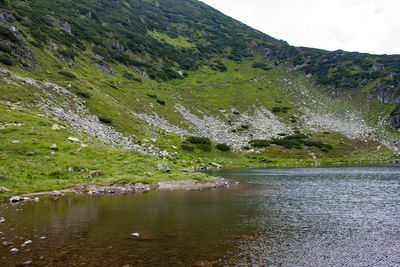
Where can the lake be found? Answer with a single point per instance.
(346, 216)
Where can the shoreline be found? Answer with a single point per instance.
(93, 189)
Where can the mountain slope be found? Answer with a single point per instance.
(147, 75)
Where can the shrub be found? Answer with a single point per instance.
(236, 112)
(223, 147)
(259, 143)
(67, 74)
(198, 140)
(4, 48)
(105, 120)
(244, 126)
(83, 94)
(6, 60)
(276, 109)
(187, 148)
(261, 66)
(161, 102)
(8, 34)
(152, 96)
(205, 147)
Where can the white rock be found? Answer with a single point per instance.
(135, 235)
(15, 141)
(55, 127)
(53, 146)
(84, 145)
(70, 169)
(153, 140)
(14, 250)
(74, 139)
(27, 242)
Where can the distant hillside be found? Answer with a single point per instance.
(186, 84)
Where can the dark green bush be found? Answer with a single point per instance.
(244, 126)
(6, 60)
(161, 102)
(276, 109)
(204, 147)
(152, 96)
(187, 148)
(8, 34)
(4, 48)
(259, 143)
(83, 94)
(67, 74)
(223, 147)
(198, 140)
(261, 66)
(105, 120)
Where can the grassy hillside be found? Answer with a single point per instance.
(128, 77)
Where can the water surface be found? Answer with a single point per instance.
(291, 217)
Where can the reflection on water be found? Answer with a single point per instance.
(302, 217)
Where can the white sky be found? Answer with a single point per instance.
(371, 26)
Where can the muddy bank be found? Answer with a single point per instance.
(92, 189)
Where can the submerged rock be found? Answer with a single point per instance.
(7, 243)
(14, 250)
(135, 235)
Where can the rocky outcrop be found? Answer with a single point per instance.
(213, 182)
(394, 122)
(118, 188)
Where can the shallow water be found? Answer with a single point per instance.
(291, 217)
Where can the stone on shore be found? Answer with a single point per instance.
(4, 190)
(16, 199)
(56, 193)
(216, 165)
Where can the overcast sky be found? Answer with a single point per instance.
(371, 26)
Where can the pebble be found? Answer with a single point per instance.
(42, 237)
(135, 235)
(15, 141)
(14, 250)
(28, 262)
(2, 220)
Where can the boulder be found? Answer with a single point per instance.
(55, 127)
(56, 193)
(216, 165)
(94, 174)
(163, 168)
(4, 190)
(74, 139)
(16, 199)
